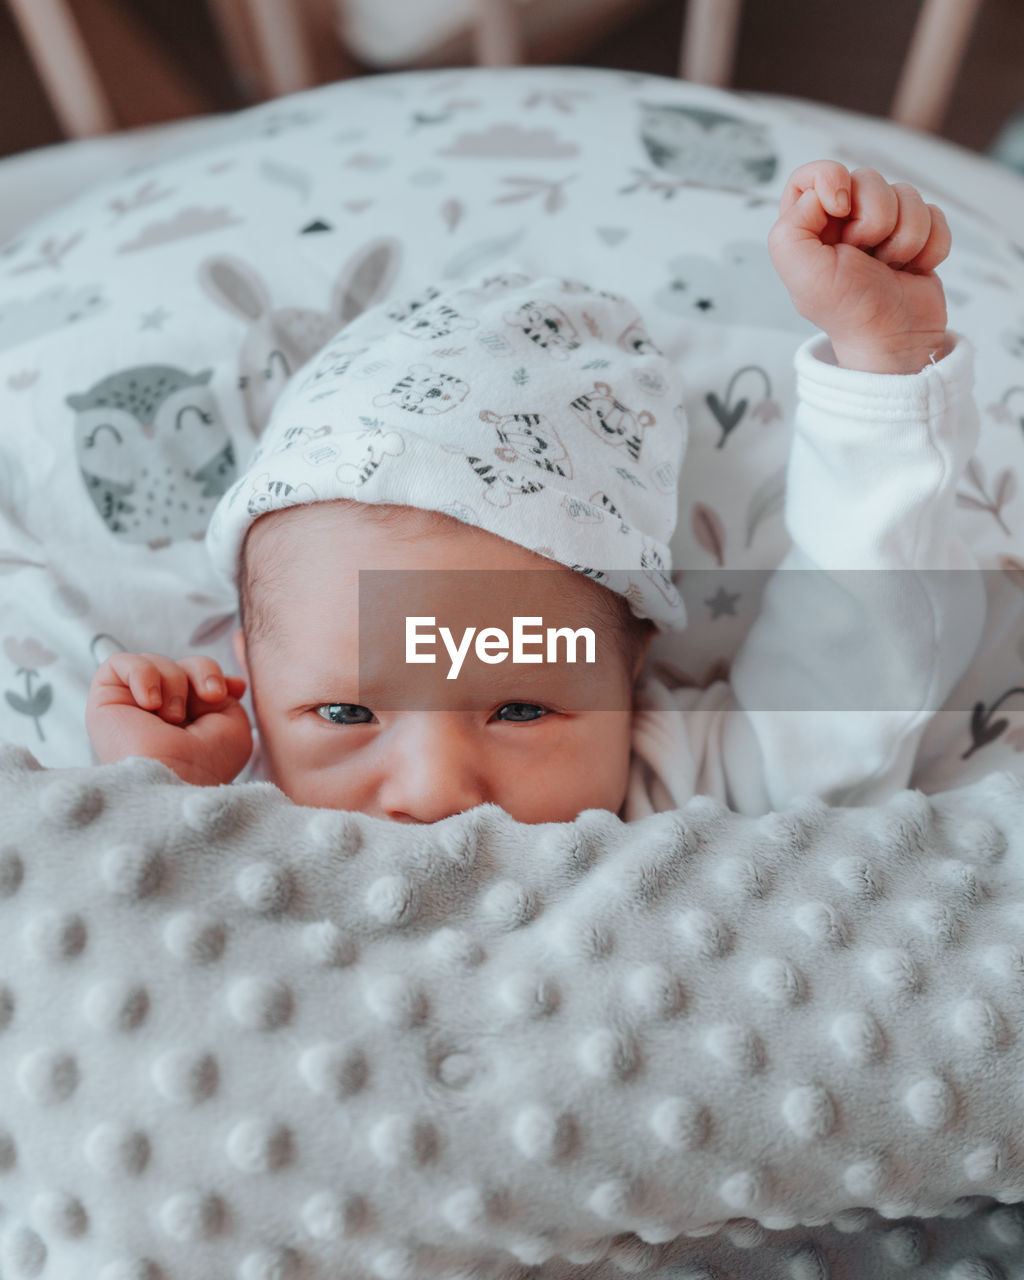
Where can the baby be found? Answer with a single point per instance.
(548, 456)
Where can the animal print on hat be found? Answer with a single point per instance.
(538, 409)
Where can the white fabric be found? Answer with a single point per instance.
(537, 409)
(32, 183)
(243, 1038)
(282, 222)
(871, 619)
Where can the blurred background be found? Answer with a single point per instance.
(161, 60)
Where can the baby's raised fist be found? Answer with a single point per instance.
(858, 256)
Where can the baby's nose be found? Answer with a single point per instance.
(434, 769)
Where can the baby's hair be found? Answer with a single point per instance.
(260, 578)
(612, 611)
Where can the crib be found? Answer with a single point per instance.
(239, 1037)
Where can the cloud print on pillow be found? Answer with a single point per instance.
(508, 140)
(192, 221)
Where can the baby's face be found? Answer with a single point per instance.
(538, 740)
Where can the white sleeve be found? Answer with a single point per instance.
(869, 621)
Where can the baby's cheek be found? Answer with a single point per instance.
(321, 789)
(603, 768)
(297, 764)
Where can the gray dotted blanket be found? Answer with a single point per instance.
(239, 1036)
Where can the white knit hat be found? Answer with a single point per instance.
(535, 408)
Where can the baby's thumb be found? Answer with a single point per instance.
(806, 217)
(794, 243)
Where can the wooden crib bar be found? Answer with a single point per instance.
(498, 37)
(709, 41)
(282, 41)
(926, 81)
(273, 36)
(936, 52)
(64, 66)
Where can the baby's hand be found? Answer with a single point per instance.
(185, 714)
(858, 256)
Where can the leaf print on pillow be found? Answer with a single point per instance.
(709, 531)
(766, 501)
(1004, 491)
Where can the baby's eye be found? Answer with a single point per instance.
(520, 712)
(345, 713)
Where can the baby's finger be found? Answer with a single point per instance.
(937, 247)
(828, 179)
(173, 686)
(795, 242)
(875, 210)
(133, 673)
(206, 676)
(913, 227)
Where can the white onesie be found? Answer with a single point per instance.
(875, 615)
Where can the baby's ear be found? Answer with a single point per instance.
(238, 644)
